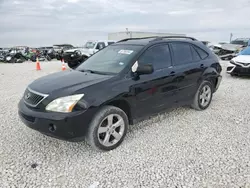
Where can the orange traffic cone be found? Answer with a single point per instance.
(63, 65)
(37, 64)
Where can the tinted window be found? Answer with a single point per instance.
(89, 45)
(182, 53)
(110, 43)
(196, 56)
(201, 52)
(158, 56)
(112, 59)
(100, 45)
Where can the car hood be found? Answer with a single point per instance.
(231, 47)
(242, 58)
(83, 50)
(72, 50)
(66, 80)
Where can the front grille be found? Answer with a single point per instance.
(242, 70)
(33, 98)
(67, 56)
(68, 53)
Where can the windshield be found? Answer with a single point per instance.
(246, 51)
(90, 45)
(112, 59)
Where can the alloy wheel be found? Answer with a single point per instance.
(205, 96)
(111, 130)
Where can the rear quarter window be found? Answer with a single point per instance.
(203, 54)
(196, 56)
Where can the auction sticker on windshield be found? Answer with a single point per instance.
(128, 52)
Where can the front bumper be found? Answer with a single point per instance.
(70, 127)
(237, 69)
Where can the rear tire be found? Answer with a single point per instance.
(48, 58)
(203, 96)
(107, 128)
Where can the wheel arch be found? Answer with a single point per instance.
(211, 75)
(123, 105)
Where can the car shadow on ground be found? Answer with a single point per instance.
(61, 146)
(241, 77)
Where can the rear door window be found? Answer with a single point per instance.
(182, 53)
(159, 56)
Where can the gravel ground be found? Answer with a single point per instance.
(182, 148)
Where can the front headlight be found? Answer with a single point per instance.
(64, 104)
(78, 52)
(232, 61)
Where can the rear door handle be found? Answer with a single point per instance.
(202, 66)
(172, 73)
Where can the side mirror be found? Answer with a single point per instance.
(141, 69)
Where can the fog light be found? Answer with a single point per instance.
(229, 68)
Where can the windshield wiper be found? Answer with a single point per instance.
(95, 72)
(86, 70)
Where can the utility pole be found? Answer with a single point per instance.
(231, 36)
(129, 32)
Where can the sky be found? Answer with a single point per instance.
(48, 22)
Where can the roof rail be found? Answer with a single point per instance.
(157, 38)
(184, 37)
(123, 40)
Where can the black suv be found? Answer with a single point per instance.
(124, 82)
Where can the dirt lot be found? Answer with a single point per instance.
(182, 148)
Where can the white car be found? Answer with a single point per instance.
(91, 47)
(76, 56)
(240, 65)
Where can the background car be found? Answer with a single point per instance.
(74, 57)
(240, 65)
(241, 41)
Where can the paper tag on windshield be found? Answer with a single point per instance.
(128, 52)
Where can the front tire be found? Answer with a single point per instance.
(73, 65)
(84, 58)
(107, 129)
(203, 96)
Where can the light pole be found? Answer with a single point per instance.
(231, 36)
(128, 32)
